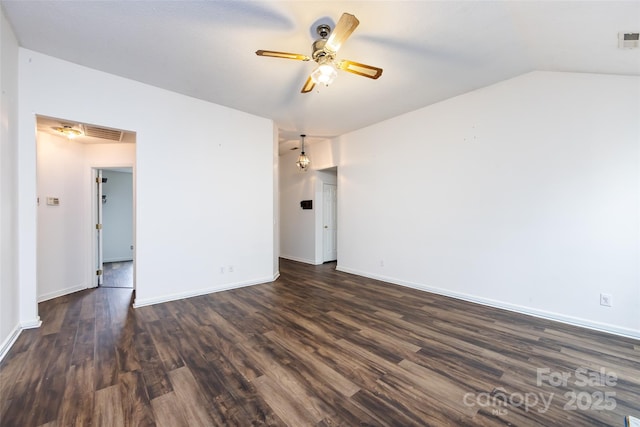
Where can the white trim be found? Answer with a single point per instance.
(8, 343)
(31, 324)
(276, 276)
(548, 315)
(304, 260)
(61, 292)
(173, 297)
(15, 333)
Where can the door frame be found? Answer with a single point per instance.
(321, 177)
(94, 218)
(98, 233)
(335, 222)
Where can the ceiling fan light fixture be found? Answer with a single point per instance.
(68, 131)
(325, 73)
(303, 160)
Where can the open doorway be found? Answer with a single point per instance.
(115, 229)
(68, 156)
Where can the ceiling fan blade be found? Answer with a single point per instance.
(360, 69)
(345, 26)
(308, 85)
(285, 55)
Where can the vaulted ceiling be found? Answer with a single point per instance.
(429, 50)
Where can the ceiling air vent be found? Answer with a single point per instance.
(103, 133)
(628, 40)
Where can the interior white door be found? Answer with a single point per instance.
(99, 216)
(330, 230)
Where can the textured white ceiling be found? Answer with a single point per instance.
(429, 50)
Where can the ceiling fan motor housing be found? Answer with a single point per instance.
(318, 49)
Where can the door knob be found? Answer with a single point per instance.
(326, 226)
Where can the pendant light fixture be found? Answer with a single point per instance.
(303, 161)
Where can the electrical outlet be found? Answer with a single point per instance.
(221, 270)
(605, 300)
(381, 263)
(230, 269)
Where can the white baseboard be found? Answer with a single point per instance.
(15, 333)
(9, 341)
(31, 324)
(173, 297)
(558, 317)
(61, 292)
(304, 260)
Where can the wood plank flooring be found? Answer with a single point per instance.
(315, 348)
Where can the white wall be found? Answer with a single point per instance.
(204, 179)
(117, 219)
(9, 290)
(523, 195)
(297, 237)
(60, 229)
(65, 245)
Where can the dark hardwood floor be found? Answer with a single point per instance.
(315, 348)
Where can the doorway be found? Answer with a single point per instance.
(66, 170)
(114, 227)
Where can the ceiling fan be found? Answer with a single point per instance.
(324, 52)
